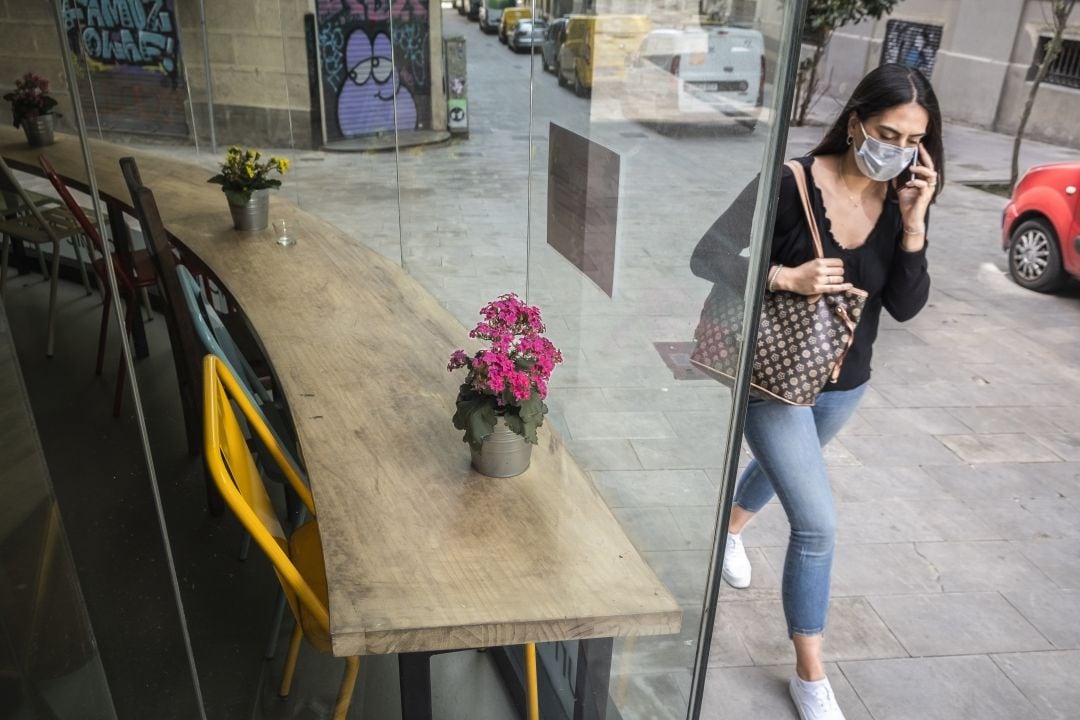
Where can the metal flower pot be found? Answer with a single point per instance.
(254, 214)
(503, 453)
(39, 130)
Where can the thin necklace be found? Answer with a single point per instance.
(851, 195)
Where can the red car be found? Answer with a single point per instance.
(1040, 228)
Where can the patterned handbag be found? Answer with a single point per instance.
(801, 341)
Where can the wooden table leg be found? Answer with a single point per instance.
(414, 679)
(122, 238)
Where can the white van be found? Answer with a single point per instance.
(696, 76)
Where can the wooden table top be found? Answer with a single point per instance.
(422, 553)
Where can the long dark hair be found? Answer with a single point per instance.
(886, 87)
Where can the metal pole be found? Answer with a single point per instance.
(209, 77)
(760, 243)
(125, 348)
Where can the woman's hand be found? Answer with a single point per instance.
(819, 276)
(915, 196)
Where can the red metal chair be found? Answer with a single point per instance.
(143, 275)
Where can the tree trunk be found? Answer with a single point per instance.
(810, 78)
(1061, 11)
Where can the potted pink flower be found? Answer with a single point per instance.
(32, 109)
(501, 403)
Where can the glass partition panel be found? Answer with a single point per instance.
(650, 119)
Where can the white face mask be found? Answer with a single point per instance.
(881, 161)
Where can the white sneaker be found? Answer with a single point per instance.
(814, 700)
(736, 565)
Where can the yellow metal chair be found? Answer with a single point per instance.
(298, 559)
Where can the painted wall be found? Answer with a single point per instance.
(376, 66)
(987, 48)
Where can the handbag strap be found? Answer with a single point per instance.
(799, 172)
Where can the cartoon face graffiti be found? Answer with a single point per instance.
(367, 98)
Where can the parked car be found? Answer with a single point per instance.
(527, 34)
(462, 6)
(553, 40)
(510, 18)
(598, 48)
(474, 9)
(699, 76)
(491, 12)
(1040, 228)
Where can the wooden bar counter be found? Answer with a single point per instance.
(422, 553)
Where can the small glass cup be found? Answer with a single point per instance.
(282, 228)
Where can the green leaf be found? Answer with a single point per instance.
(475, 415)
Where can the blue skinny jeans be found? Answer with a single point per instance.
(786, 441)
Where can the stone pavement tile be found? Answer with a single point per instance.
(673, 454)
(564, 399)
(702, 426)
(768, 528)
(913, 421)
(1030, 518)
(1029, 420)
(987, 448)
(1066, 446)
(998, 480)
(683, 572)
(856, 425)
(765, 583)
(1067, 418)
(1048, 679)
(882, 521)
(873, 399)
(652, 528)
(955, 519)
(603, 425)
(1053, 612)
(855, 484)
(836, 455)
(877, 569)
(900, 450)
(957, 624)
(1058, 559)
(649, 696)
(663, 653)
(706, 396)
(604, 454)
(977, 394)
(761, 693)
(982, 566)
(1021, 373)
(697, 523)
(640, 488)
(727, 648)
(942, 688)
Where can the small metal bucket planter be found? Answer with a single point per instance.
(503, 453)
(254, 214)
(39, 131)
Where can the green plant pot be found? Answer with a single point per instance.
(503, 453)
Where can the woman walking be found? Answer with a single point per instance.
(871, 181)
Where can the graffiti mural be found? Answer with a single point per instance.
(140, 33)
(367, 67)
(131, 53)
(911, 44)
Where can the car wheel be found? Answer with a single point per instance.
(1034, 256)
(558, 74)
(579, 89)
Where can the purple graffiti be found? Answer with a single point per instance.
(366, 102)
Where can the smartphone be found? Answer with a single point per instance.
(903, 178)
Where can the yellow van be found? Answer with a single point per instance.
(598, 48)
(510, 18)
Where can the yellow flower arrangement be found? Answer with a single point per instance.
(244, 171)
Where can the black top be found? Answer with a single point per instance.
(894, 278)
